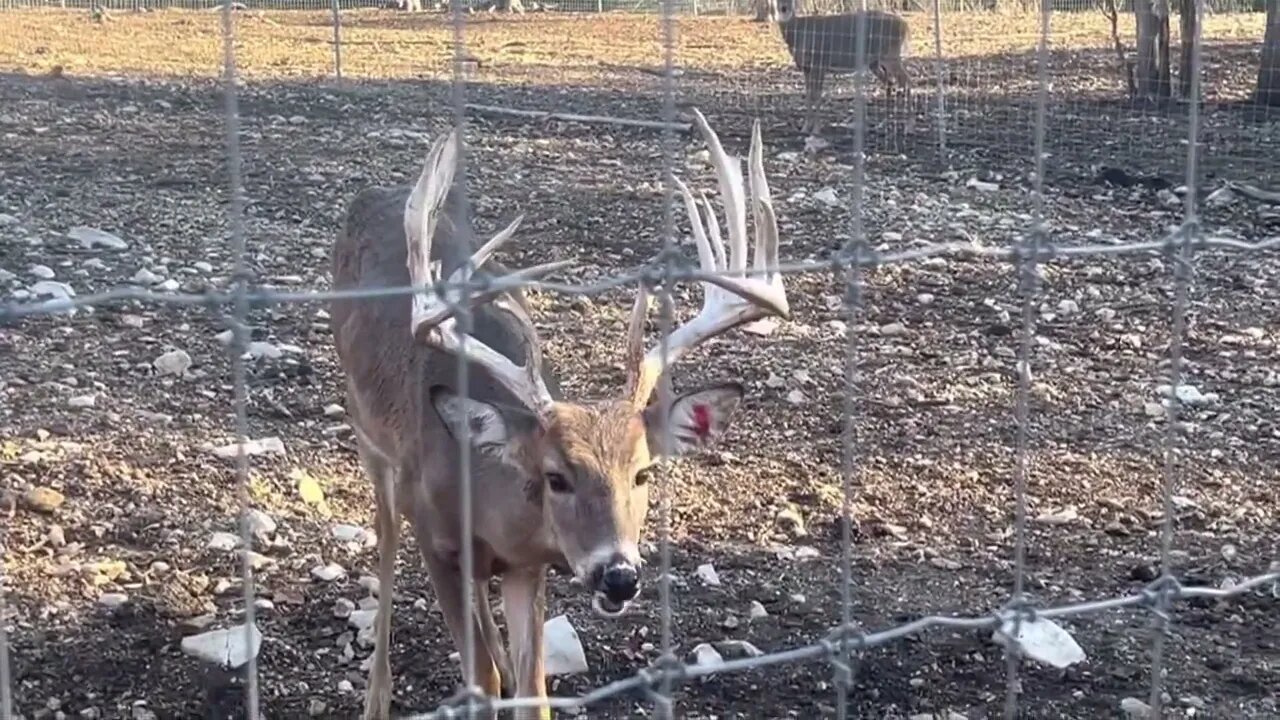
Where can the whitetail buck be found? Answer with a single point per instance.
(554, 481)
(822, 44)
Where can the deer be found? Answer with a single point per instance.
(559, 482)
(822, 44)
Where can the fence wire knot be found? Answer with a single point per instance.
(842, 673)
(1158, 595)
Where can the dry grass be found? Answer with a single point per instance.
(551, 48)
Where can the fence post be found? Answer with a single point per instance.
(939, 69)
(337, 40)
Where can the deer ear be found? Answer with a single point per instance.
(696, 420)
(488, 430)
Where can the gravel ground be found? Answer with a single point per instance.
(114, 495)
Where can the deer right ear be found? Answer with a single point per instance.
(486, 429)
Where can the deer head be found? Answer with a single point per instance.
(588, 464)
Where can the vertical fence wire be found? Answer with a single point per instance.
(458, 96)
(1184, 245)
(6, 677)
(940, 68)
(337, 40)
(1027, 280)
(662, 697)
(239, 340)
(853, 254)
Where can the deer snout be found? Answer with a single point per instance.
(619, 582)
(616, 583)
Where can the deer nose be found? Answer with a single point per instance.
(619, 582)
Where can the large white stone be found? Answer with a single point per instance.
(563, 653)
(229, 648)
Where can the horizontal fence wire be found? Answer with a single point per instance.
(649, 275)
(680, 7)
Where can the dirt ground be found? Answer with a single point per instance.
(141, 493)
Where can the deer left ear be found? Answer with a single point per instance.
(696, 420)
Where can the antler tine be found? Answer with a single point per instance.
(432, 318)
(766, 222)
(729, 297)
(729, 174)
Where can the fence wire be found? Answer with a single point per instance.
(845, 642)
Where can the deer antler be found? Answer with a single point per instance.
(433, 318)
(730, 298)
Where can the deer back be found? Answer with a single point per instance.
(388, 373)
(828, 41)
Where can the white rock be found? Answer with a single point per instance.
(739, 648)
(815, 143)
(361, 619)
(111, 601)
(349, 533)
(55, 290)
(827, 196)
(334, 411)
(7, 219)
(1190, 395)
(202, 266)
(1222, 197)
(1068, 307)
(757, 611)
(1135, 709)
(42, 272)
(371, 584)
(328, 573)
(981, 185)
(893, 329)
(704, 655)
(805, 552)
(259, 349)
(708, 575)
(6, 276)
(795, 397)
(81, 402)
(260, 523)
(91, 238)
(229, 648)
(562, 650)
(174, 362)
(225, 338)
(1042, 640)
(925, 298)
(169, 285)
(342, 608)
(145, 277)
(263, 446)
(223, 541)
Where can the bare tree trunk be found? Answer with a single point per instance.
(766, 10)
(1269, 71)
(1187, 21)
(1151, 71)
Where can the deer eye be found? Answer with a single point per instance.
(557, 483)
(642, 477)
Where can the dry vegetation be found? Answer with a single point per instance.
(106, 572)
(547, 49)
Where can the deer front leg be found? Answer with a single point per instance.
(446, 578)
(524, 605)
(377, 700)
(493, 639)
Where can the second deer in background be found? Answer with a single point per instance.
(822, 44)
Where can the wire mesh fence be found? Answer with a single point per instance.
(1038, 120)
